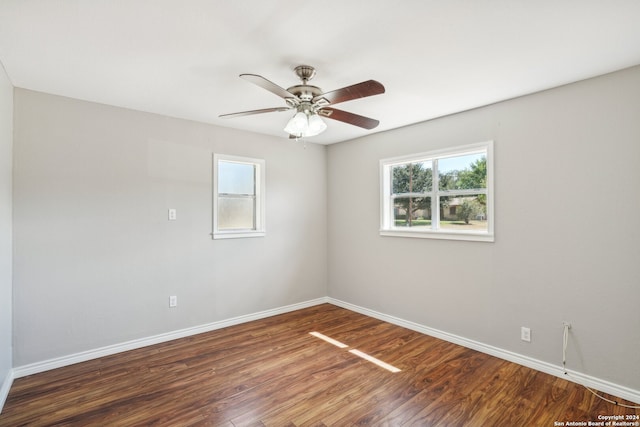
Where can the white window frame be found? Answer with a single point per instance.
(387, 224)
(259, 230)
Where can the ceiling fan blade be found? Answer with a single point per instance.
(251, 112)
(267, 84)
(347, 117)
(359, 90)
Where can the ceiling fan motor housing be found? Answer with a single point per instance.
(305, 92)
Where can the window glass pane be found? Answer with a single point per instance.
(463, 172)
(236, 213)
(236, 178)
(468, 213)
(419, 207)
(411, 178)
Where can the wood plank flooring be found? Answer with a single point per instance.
(272, 372)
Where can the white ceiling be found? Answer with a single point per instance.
(182, 58)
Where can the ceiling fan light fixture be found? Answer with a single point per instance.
(305, 125)
(316, 125)
(298, 124)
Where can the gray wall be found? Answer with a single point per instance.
(95, 256)
(567, 205)
(6, 143)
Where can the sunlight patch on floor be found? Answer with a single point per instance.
(372, 359)
(328, 339)
(358, 353)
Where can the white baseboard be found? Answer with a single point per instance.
(59, 362)
(4, 390)
(556, 370)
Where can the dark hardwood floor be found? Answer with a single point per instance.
(272, 372)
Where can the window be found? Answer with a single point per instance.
(445, 194)
(238, 197)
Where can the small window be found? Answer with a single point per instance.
(445, 194)
(238, 197)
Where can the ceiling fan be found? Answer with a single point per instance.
(311, 103)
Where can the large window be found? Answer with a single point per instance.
(445, 194)
(238, 197)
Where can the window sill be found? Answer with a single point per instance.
(441, 235)
(237, 234)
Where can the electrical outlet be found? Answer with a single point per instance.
(566, 324)
(173, 301)
(173, 214)
(525, 334)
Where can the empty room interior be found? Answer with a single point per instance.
(192, 234)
